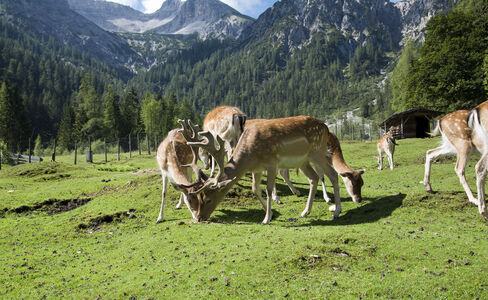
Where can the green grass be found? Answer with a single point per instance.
(89, 230)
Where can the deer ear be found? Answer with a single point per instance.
(362, 171)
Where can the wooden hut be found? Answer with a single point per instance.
(413, 123)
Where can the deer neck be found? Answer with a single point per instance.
(337, 158)
(339, 164)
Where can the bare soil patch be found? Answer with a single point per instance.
(95, 223)
(52, 206)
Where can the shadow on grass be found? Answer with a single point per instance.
(242, 215)
(375, 209)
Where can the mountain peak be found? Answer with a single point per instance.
(205, 17)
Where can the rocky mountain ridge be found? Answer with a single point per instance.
(54, 18)
(208, 18)
(293, 23)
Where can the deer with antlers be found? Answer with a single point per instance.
(287, 143)
(226, 122)
(174, 158)
(386, 144)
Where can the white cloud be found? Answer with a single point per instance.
(152, 5)
(146, 6)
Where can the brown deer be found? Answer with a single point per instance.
(175, 157)
(226, 122)
(337, 159)
(287, 143)
(478, 121)
(459, 138)
(386, 144)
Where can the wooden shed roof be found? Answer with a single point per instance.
(400, 115)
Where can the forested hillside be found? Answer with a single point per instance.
(450, 70)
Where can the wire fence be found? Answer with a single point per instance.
(105, 149)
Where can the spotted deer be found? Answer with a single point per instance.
(458, 138)
(226, 122)
(174, 158)
(386, 144)
(338, 163)
(287, 143)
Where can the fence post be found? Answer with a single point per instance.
(90, 153)
(105, 148)
(155, 144)
(147, 143)
(30, 151)
(130, 147)
(53, 157)
(118, 149)
(76, 152)
(139, 143)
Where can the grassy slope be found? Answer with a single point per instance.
(399, 241)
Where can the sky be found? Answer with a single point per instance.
(251, 8)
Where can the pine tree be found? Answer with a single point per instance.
(111, 113)
(65, 132)
(131, 112)
(14, 124)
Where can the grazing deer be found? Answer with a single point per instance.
(285, 173)
(174, 157)
(338, 159)
(459, 138)
(386, 144)
(287, 143)
(226, 122)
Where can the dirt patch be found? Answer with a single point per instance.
(95, 223)
(52, 206)
(145, 172)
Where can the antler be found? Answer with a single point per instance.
(207, 143)
(210, 146)
(192, 137)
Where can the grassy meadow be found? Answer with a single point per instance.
(89, 231)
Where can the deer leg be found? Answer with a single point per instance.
(285, 173)
(390, 159)
(270, 184)
(180, 202)
(332, 175)
(481, 168)
(276, 198)
(313, 179)
(380, 159)
(163, 194)
(429, 157)
(462, 158)
(256, 181)
(320, 172)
